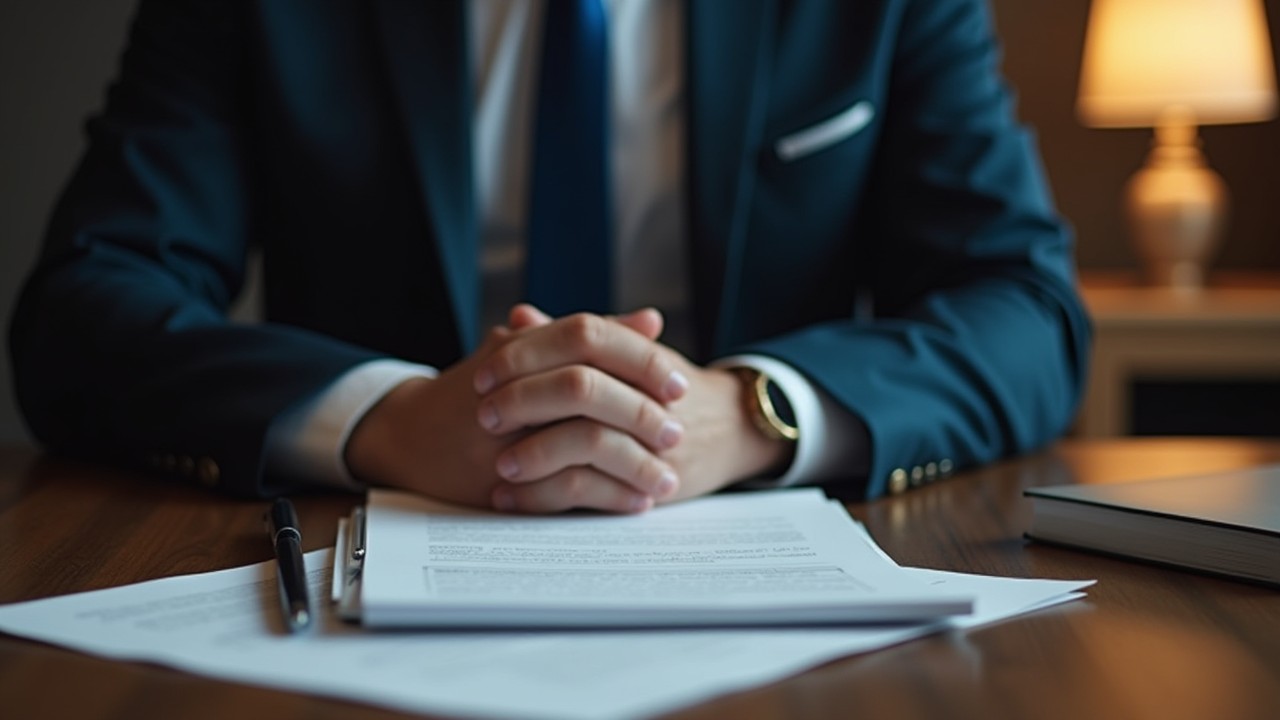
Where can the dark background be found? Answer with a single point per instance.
(57, 55)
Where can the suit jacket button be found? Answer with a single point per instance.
(207, 472)
(917, 476)
(945, 466)
(930, 472)
(898, 481)
(169, 462)
(186, 465)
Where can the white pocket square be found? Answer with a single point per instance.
(826, 133)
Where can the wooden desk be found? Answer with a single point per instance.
(1147, 643)
(1231, 329)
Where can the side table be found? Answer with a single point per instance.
(1229, 329)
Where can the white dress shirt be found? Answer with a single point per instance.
(647, 87)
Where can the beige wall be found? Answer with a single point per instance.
(1043, 41)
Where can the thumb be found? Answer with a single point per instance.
(646, 321)
(524, 316)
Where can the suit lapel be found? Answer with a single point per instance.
(425, 44)
(729, 49)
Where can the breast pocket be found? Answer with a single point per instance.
(825, 134)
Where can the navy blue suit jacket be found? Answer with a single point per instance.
(915, 270)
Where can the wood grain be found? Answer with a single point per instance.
(1148, 642)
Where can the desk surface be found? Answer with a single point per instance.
(1147, 643)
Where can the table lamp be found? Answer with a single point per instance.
(1174, 65)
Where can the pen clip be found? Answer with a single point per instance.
(355, 538)
(357, 533)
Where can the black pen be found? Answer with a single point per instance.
(283, 526)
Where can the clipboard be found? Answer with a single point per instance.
(348, 564)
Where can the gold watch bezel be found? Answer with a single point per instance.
(760, 407)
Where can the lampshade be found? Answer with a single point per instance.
(1209, 59)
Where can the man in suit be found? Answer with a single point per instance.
(860, 275)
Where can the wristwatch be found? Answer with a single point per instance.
(767, 406)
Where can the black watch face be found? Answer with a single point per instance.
(780, 404)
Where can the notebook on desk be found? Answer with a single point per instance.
(1224, 524)
(775, 558)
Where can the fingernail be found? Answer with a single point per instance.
(666, 484)
(670, 434)
(675, 386)
(489, 416)
(640, 503)
(484, 381)
(502, 500)
(508, 467)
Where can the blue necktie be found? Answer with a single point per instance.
(568, 264)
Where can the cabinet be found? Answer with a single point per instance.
(1231, 329)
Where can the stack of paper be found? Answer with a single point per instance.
(226, 624)
(783, 558)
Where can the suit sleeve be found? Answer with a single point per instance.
(978, 342)
(121, 345)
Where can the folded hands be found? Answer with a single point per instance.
(550, 414)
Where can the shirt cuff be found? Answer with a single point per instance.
(833, 441)
(309, 441)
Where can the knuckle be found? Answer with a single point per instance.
(579, 384)
(502, 363)
(596, 437)
(496, 340)
(576, 481)
(534, 456)
(649, 416)
(495, 336)
(655, 367)
(585, 332)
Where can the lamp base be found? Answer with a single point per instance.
(1177, 208)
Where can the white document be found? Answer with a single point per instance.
(769, 558)
(226, 624)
